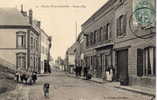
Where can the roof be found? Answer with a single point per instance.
(72, 49)
(11, 16)
(43, 32)
(108, 4)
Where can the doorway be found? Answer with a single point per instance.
(122, 66)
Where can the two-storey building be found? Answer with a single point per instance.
(117, 38)
(99, 32)
(134, 48)
(19, 38)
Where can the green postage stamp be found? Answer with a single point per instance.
(144, 12)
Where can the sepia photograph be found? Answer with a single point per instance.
(77, 49)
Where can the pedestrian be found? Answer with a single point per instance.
(85, 71)
(107, 71)
(89, 74)
(80, 70)
(29, 80)
(17, 77)
(46, 87)
(34, 77)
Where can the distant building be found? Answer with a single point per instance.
(80, 50)
(44, 47)
(70, 59)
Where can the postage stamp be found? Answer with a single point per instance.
(144, 12)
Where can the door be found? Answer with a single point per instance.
(122, 66)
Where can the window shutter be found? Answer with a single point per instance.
(125, 24)
(104, 32)
(139, 62)
(118, 26)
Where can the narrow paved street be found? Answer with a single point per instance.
(63, 87)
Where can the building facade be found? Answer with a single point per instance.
(80, 48)
(134, 51)
(44, 43)
(19, 39)
(99, 32)
(70, 59)
(112, 42)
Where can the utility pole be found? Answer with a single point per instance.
(76, 30)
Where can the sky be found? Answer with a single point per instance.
(58, 18)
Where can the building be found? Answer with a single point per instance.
(99, 32)
(70, 58)
(134, 51)
(111, 42)
(80, 49)
(44, 48)
(59, 62)
(19, 39)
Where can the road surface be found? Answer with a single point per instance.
(63, 87)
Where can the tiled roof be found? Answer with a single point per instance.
(11, 16)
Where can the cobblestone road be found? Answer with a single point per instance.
(63, 87)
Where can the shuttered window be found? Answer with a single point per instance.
(146, 62)
(121, 25)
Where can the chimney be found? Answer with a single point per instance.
(30, 16)
(38, 23)
(22, 8)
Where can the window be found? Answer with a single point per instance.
(31, 42)
(91, 38)
(87, 39)
(146, 61)
(121, 25)
(104, 32)
(108, 32)
(101, 34)
(36, 44)
(95, 36)
(21, 39)
(21, 60)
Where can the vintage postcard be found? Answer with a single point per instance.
(77, 49)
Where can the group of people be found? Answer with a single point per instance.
(109, 71)
(86, 72)
(78, 71)
(26, 77)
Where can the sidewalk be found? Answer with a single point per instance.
(45, 74)
(135, 89)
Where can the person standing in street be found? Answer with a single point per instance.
(17, 77)
(46, 87)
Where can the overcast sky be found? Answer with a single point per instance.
(58, 21)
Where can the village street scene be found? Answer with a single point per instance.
(54, 52)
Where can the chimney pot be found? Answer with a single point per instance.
(30, 16)
(22, 8)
